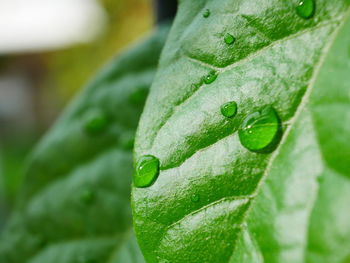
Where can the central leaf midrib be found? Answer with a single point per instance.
(298, 111)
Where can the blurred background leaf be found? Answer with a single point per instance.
(35, 86)
(75, 203)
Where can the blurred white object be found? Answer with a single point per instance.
(32, 25)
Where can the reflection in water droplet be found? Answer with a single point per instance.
(210, 78)
(147, 170)
(229, 39)
(261, 130)
(95, 122)
(195, 198)
(306, 8)
(229, 109)
(206, 13)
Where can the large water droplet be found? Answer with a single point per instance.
(229, 109)
(206, 13)
(306, 8)
(95, 122)
(211, 77)
(261, 130)
(147, 170)
(229, 39)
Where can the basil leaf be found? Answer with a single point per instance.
(273, 194)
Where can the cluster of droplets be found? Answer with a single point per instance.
(259, 131)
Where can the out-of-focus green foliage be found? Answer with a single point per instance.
(69, 69)
(12, 158)
(75, 203)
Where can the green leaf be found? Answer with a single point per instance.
(75, 205)
(216, 201)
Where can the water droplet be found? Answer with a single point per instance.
(229, 109)
(210, 78)
(206, 13)
(229, 39)
(261, 130)
(95, 122)
(306, 8)
(87, 196)
(195, 198)
(147, 170)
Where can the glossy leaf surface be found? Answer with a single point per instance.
(291, 205)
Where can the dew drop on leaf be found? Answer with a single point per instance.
(261, 130)
(147, 170)
(95, 122)
(306, 8)
(195, 198)
(229, 109)
(229, 39)
(210, 78)
(206, 13)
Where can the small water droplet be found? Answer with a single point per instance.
(229, 39)
(229, 109)
(261, 130)
(195, 198)
(206, 13)
(87, 196)
(306, 8)
(147, 170)
(95, 122)
(210, 78)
